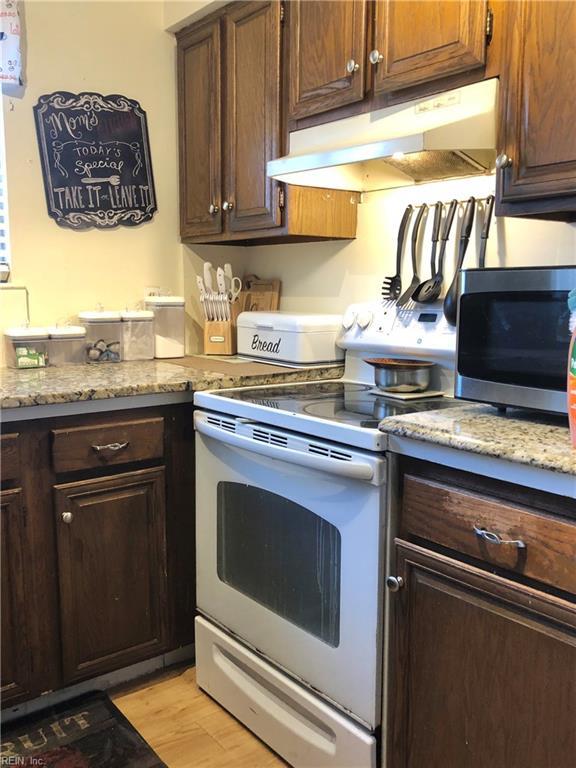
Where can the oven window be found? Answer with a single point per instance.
(519, 339)
(282, 555)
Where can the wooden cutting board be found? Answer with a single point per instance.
(261, 295)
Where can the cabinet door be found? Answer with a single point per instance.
(252, 114)
(483, 669)
(421, 41)
(112, 571)
(16, 662)
(538, 106)
(327, 55)
(199, 100)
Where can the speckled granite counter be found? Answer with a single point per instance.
(79, 383)
(532, 439)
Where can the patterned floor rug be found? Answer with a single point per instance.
(87, 732)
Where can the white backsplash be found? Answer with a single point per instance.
(327, 276)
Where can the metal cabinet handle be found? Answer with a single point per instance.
(494, 538)
(111, 447)
(376, 57)
(503, 161)
(213, 209)
(227, 205)
(352, 66)
(67, 517)
(394, 583)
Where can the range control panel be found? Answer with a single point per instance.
(415, 329)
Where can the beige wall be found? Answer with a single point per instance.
(179, 13)
(107, 47)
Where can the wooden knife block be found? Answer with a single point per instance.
(220, 335)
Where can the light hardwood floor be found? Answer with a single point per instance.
(187, 729)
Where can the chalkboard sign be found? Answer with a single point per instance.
(95, 160)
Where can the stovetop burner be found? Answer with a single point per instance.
(336, 401)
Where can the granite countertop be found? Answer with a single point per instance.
(77, 383)
(526, 438)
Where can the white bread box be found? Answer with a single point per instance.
(289, 338)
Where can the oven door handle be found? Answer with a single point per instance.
(357, 470)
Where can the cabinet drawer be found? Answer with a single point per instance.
(105, 445)
(10, 457)
(538, 546)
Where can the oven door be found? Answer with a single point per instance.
(289, 539)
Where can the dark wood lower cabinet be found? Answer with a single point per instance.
(112, 571)
(16, 607)
(98, 560)
(484, 669)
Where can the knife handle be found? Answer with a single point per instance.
(487, 217)
(468, 219)
(208, 275)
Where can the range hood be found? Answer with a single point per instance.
(449, 135)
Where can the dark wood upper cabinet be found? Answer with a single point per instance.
(252, 128)
(327, 55)
(199, 84)
(416, 42)
(16, 605)
(537, 173)
(112, 569)
(483, 669)
(231, 77)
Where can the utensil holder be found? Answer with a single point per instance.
(220, 335)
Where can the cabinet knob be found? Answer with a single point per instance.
(67, 517)
(352, 66)
(503, 161)
(376, 57)
(394, 583)
(213, 209)
(227, 205)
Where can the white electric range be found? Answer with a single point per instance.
(291, 524)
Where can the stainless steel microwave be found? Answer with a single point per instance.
(513, 337)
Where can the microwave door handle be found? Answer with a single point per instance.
(357, 470)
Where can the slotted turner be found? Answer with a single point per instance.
(392, 286)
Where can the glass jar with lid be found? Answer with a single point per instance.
(138, 334)
(67, 344)
(103, 336)
(27, 347)
(169, 325)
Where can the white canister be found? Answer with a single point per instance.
(169, 322)
(138, 334)
(103, 336)
(67, 344)
(27, 347)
